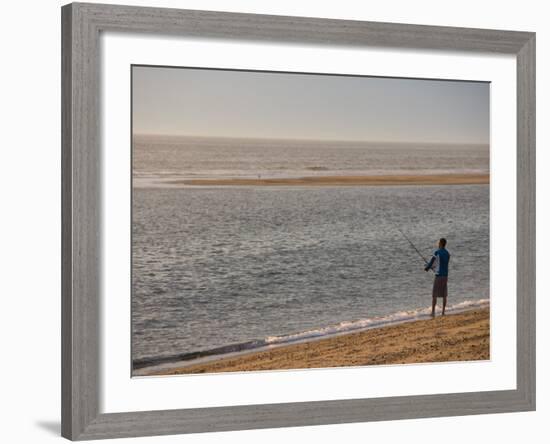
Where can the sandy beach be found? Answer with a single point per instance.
(455, 337)
(433, 179)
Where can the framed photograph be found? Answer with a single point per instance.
(278, 221)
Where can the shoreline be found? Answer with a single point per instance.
(372, 180)
(462, 336)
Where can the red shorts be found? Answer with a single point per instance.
(440, 287)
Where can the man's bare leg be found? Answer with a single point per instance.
(434, 301)
(444, 305)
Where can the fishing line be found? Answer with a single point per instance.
(409, 241)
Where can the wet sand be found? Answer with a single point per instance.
(455, 337)
(433, 179)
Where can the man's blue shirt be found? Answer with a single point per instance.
(440, 262)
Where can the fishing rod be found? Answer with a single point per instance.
(412, 245)
(410, 242)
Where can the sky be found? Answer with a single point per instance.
(254, 104)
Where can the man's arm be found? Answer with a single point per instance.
(430, 264)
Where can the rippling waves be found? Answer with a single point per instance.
(220, 266)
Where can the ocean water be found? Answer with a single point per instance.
(220, 269)
(159, 160)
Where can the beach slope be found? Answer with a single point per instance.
(457, 337)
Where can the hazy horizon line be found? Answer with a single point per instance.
(303, 139)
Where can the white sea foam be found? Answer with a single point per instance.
(369, 323)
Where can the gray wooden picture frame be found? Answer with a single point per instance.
(81, 232)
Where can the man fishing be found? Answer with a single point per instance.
(440, 264)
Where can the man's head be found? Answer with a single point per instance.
(442, 242)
